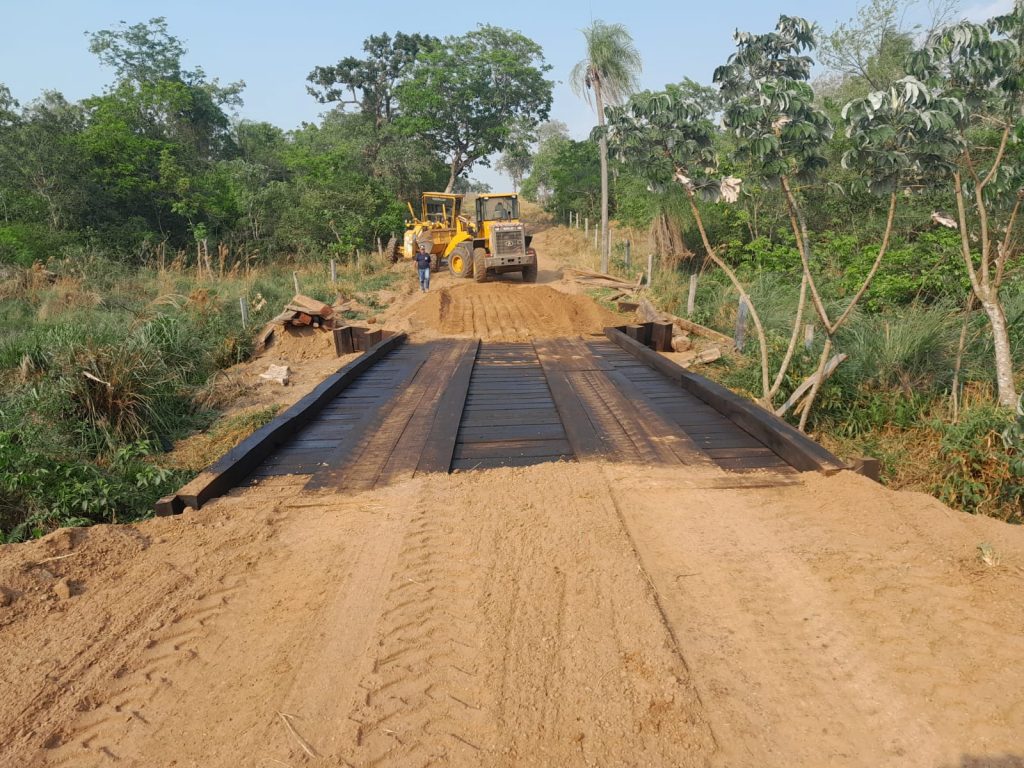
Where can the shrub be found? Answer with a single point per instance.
(982, 463)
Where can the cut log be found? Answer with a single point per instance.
(646, 313)
(301, 303)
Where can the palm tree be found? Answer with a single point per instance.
(610, 74)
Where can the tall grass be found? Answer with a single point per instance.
(896, 381)
(103, 365)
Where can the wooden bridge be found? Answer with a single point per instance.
(401, 409)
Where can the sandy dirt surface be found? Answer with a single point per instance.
(503, 311)
(558, 615)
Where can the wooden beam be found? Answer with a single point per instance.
(661, 337)
(241, 460)
(344, 344)
(440, 446)
(792, 445)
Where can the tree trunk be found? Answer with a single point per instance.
(1004, 361)
(452, 176)
(603, 148)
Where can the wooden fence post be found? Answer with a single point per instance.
(691, 298)
(650, 268)
(295, 279)
(628, 245)
(244, 306)
(809, 335)
(334, 271)
(586, 226)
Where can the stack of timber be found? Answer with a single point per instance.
(625, 290)
(303, 310)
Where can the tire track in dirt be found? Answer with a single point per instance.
(420, 701)
(503, 311)
(773, 640)
(517, 631)
(98, 731)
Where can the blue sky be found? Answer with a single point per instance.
(43, 43)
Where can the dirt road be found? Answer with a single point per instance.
(567, 614)
(558, 615)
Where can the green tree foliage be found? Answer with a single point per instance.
(369, 83)
(466, 95)
(517, 159)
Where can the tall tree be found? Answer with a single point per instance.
(979, 70)
(369, 83)
(467, 95)
(517, 159)
(606, 76)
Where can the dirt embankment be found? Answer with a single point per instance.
(564, 614)
(503, 311)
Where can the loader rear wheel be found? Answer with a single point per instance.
(392, 250)
(480, 264)
(529, 273)
(460, 260)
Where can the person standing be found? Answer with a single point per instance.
(423, 266)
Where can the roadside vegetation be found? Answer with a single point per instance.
(869, 221)
(134, 221)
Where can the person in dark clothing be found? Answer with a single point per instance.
(423, 266)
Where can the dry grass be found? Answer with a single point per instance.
(199, 451)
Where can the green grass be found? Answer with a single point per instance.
(106, 365)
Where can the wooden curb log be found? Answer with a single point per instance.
(236, 464)
(788, 442)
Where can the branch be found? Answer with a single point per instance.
(965, 245)
(784, 366)
(1004, 248)
(830, 368)
(761, 339)
(998, 159)
(819, 379)
(804, 246)
(874, 267)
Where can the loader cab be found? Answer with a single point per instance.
(497, 208)
(441, 209)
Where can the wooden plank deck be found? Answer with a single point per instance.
(457, 404)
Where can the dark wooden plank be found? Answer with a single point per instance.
(515, 461)
(792, 445)
(344, 344)
(661, 337)
(752, 462)
(232, 468)
(522, 416)
(510, 432)
(510, 448)
(440, 446)
(169, 505)
(506, 404)
(726, 441)
(583, 436)
(735, 453)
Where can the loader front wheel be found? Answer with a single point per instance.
(480, 264)
(460, 261)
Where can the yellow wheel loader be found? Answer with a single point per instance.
(496, 243)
